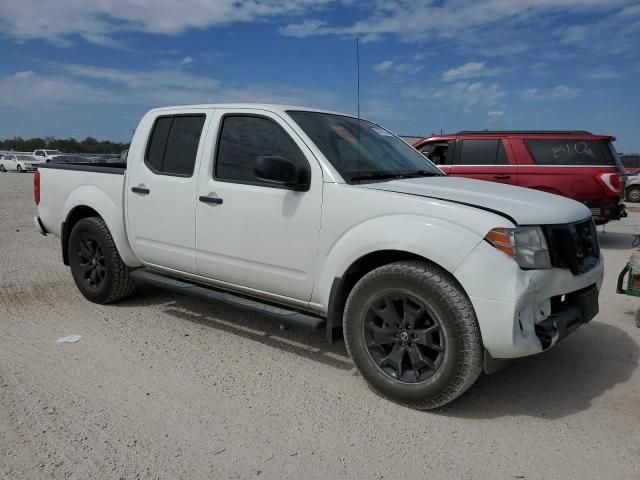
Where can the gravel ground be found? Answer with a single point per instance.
(165, 386)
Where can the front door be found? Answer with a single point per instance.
(258, 235)
(161, 192)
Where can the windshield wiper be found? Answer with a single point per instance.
(376, 176)
(391, 175)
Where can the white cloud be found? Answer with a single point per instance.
(25, 90)
(305, 29)
(602, 73)
(383, 66)
(397, 68)
(560, 92)
(506, 27)
(84, 86)
(495, 114)
(97, 21)
(145, 79)
(465, 95)
(468, 70)
(187, 61)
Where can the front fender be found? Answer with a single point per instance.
(110, 211)
(444, 243)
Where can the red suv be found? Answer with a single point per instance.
(574, 164)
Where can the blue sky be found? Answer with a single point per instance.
(93, 67)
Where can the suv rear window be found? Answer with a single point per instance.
(570, 152)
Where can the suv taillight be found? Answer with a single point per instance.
(36, 187)
(610, 181)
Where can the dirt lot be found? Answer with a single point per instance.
(164, 386)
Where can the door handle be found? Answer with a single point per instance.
(142, 190)
(502, 177)
(205, 199)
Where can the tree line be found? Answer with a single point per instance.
(68, 145)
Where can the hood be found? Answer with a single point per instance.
(523, 205)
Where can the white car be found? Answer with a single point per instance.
(46, 155)
(18, 163)
(343, 227)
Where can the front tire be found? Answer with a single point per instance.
(96, 266)
(19, 169)
(633, 194)
(413, 335)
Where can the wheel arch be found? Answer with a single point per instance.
(78, 208)
(74, 216)
(342, 286)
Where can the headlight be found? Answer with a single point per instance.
(526, 245)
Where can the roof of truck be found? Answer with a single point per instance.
(255, 106)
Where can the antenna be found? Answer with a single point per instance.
(358, 94)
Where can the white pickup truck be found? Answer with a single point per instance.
(340, 225)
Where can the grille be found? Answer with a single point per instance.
(574, 246)
(596, 211)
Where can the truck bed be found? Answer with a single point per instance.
(98, 186)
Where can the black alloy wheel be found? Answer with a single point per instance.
(91, 261)
(404, 337)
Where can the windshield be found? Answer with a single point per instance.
(53, 152)
(377, 155)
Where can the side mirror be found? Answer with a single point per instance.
(281, 171)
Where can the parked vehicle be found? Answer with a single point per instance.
(341, 225)
(66, 158)
(631, 162)
(632, 187)
(574, 164)
(18, 163)
(46, 155)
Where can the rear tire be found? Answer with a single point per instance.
(413, 335)
(2, 169)
(633, 194)
(96, 266)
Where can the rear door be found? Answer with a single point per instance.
(484, 159)
(161, 191)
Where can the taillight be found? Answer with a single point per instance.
(611, 181)
(36, 187)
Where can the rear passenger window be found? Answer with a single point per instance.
(570, 152)
(173, 145)
(245, 138)
(482, 152)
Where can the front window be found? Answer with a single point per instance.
(53, 152)
(361, 150)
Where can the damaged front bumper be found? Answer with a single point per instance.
(524, 312)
